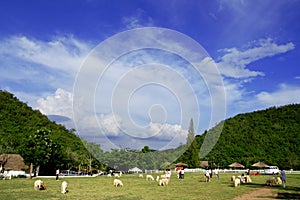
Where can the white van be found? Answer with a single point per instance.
(272, 170)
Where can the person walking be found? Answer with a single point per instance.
(57, 174)
(283, 178)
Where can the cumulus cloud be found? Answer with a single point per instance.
(110, 124)
(234, 61)
(58, 104)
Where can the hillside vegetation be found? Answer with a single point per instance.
(271, 136)
(19, 123)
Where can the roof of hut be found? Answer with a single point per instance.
(12, 162)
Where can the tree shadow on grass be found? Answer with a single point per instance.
(290, 192)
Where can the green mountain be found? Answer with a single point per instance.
(271, 136)
(19, 123)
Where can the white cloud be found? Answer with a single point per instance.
(285, 94)
(110, 124)
(233, 63)
(61, 53)
(140, 19)
(40, 66)
(58, 104)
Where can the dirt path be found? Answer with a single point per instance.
(264, 193)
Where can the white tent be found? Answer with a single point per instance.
(135, 170)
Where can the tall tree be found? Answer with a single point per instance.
(38, 149)
(191, 133)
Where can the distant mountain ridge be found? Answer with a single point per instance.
(58, 118)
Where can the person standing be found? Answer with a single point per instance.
(283, 178)
(207, 176)
(217, 173)
(57, 174)
(182, 173)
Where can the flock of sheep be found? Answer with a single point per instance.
(247, 179)
(161, 180)
(40, 185)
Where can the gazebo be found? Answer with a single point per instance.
(236, 165)
(259, 165)
(135, 170)
(180, 164)
(204, 163)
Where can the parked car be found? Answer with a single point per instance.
(68, 173)
(271, 170)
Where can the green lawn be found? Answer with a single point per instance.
(192, 187)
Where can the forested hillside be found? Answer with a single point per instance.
(20, 124)
(271, 136)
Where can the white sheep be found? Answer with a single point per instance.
(108, 175)
(279, 181)
(64, 186)
(232, 178)
(117, 175)
(271, 181)
(163, 182)
(248, 179)
(237, 182)
(141, 176)
(118, 182)
(149, 177)
(39, 185)
(157, 178)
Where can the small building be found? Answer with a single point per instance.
(13, 164)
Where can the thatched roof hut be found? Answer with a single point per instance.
(204, 163)
(180, 164)
(12, 162)
(259, 164)
(236, 165)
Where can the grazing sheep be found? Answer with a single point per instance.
(141, 175)
(232, 178)
(163, 182)
(279, 181)
(64, 186)
(157, 178)
(149, 177)
(117, 175)
(248, 179)
(39, 185)
(271, 181)
(118, 182)
(108, 175)
(237, 182)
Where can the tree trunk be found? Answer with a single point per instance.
(78, 169)
(30, 170)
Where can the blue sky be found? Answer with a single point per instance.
(51, 51)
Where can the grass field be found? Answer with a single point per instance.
(192, 187)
